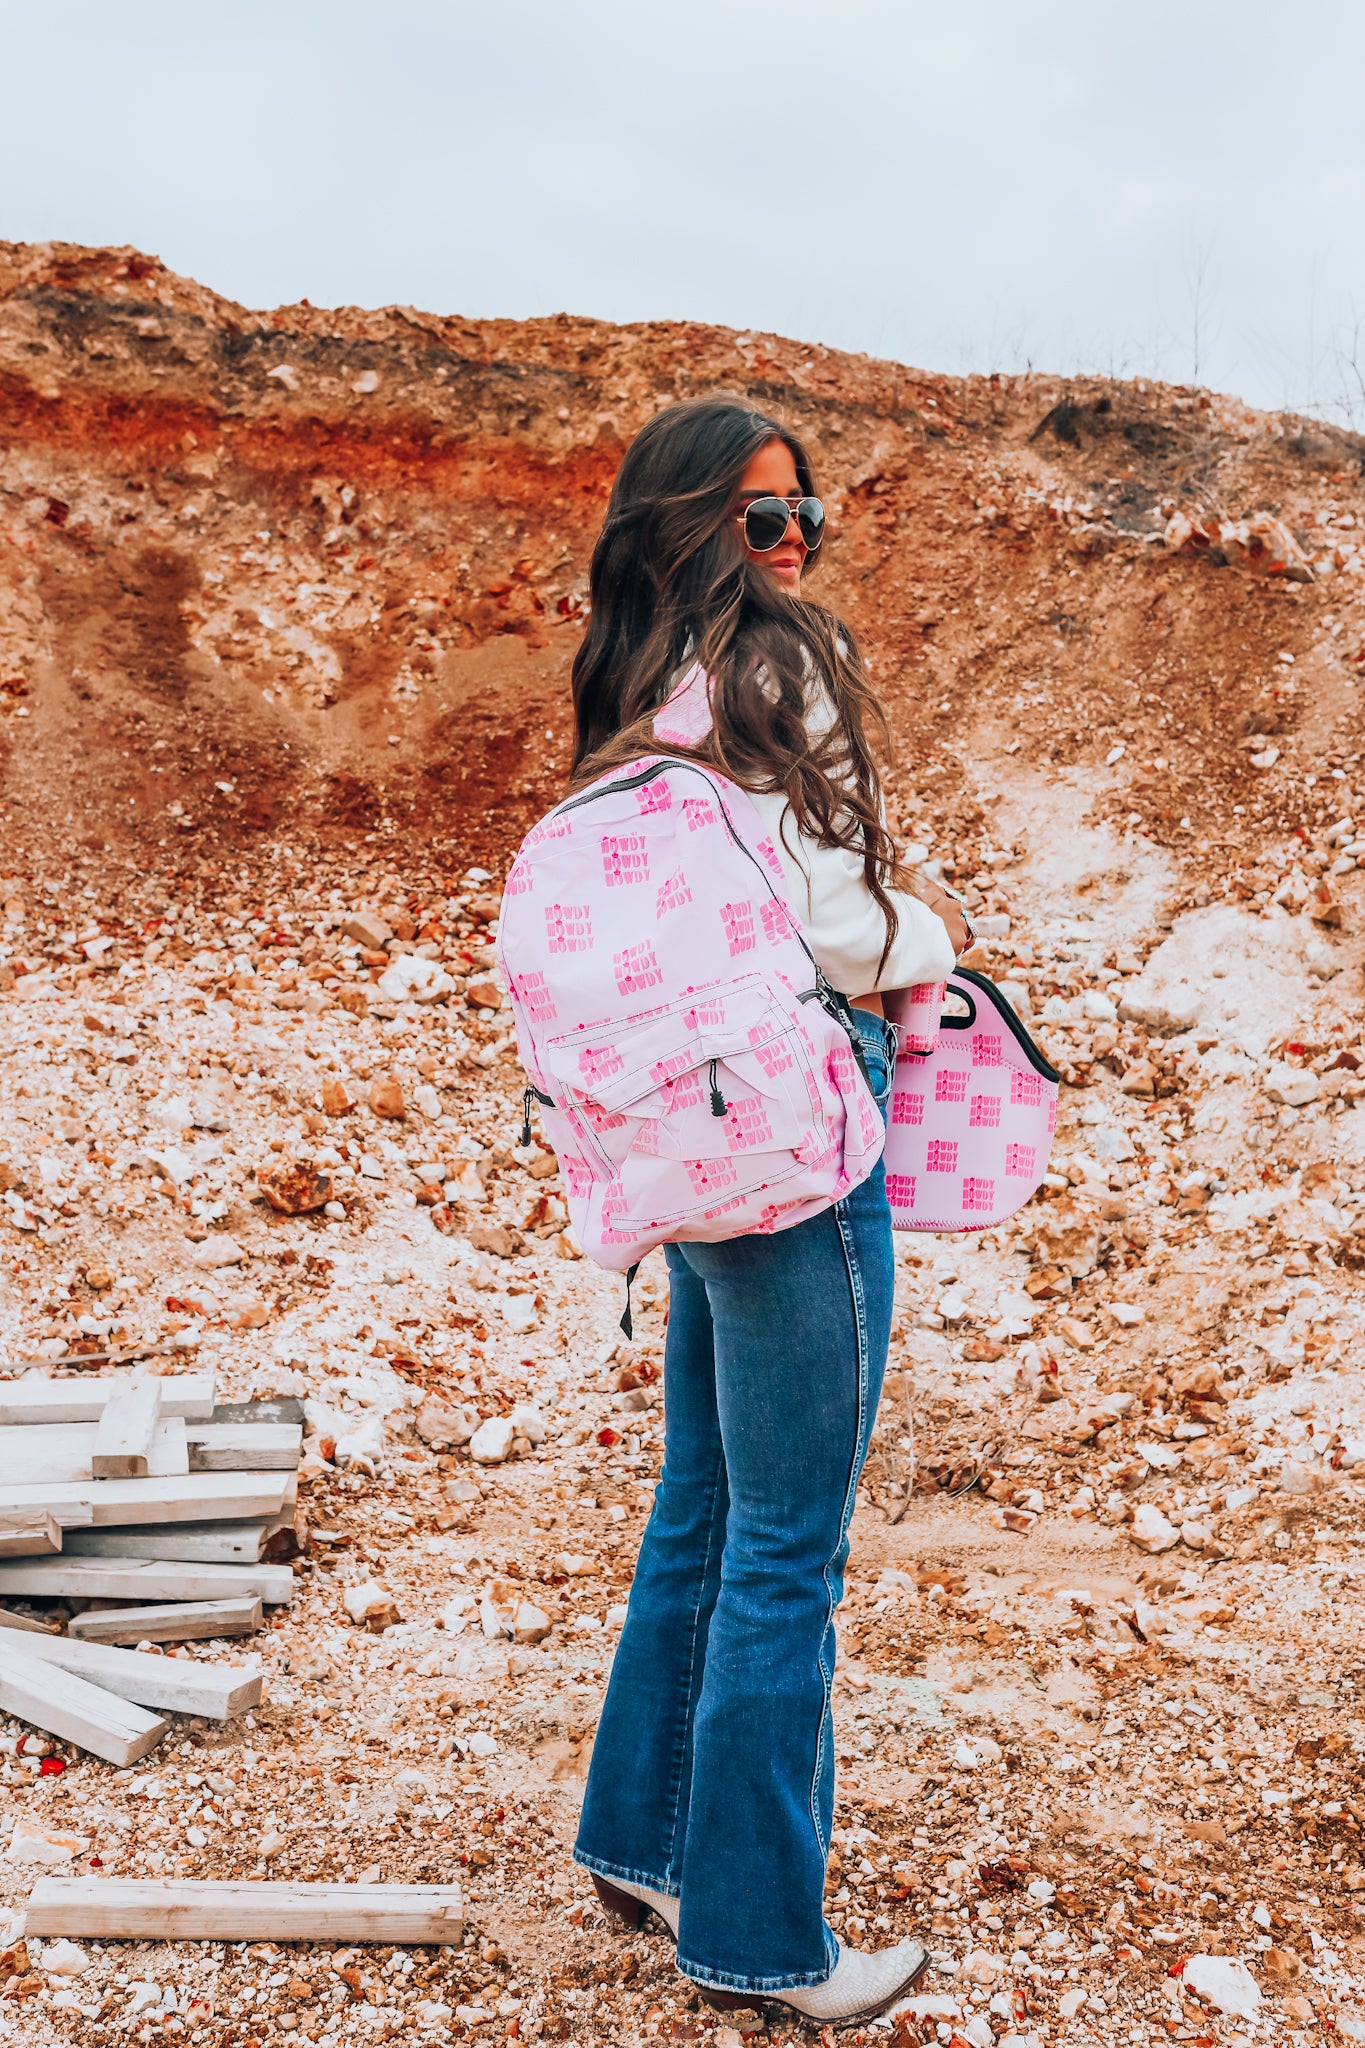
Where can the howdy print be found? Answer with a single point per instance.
(692, 1092)
(971, 1117)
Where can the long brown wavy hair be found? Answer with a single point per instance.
(671, 584)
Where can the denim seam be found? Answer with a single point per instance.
(626, 1873)
(850, 1495)
(688, 1717)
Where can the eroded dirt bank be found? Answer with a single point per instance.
(274, 573)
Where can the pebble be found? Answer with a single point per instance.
(294, 1188)
(367, 1599)
(1150, 1529)
(414, 978)
(32, 1842)
(367, 929)
(64, 1959)
(217, 1251)
(386, 1098)
(504, 1612)
(427, 1101)
(1164, 1008)
(1224, 1983)
(444, 1427)
(983, 1966)
(491, 1443)
(1292, 1086)
(458, 1612)
(528, 1422)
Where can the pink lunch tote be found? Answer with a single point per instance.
(972, 1112)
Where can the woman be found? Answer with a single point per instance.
(710, 1797)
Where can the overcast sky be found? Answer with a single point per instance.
(1174, 188)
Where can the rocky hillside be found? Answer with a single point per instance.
(306, 572)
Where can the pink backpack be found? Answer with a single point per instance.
(696, 1073)
(972, 1112)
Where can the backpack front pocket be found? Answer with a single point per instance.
(710, 1098)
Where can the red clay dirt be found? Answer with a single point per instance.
(321, 573)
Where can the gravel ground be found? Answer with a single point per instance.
(1097, 1707)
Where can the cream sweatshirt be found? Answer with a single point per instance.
(844, 924)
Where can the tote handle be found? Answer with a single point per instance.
(952, 1023)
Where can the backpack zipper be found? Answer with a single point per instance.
(719, 1106)
(836, 1004)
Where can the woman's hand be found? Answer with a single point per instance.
(950, 910)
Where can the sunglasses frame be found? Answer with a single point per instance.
(793, 509)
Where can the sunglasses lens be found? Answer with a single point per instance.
(810, 517)
(765, 523)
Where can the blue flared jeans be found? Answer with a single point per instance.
(712, 1775)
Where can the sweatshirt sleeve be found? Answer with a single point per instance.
(844, 925)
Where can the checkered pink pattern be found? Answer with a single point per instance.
(971, 1120)
(656, 974)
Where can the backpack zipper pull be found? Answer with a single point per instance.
(528, 1096)
(719, 1105)
(627, 1320)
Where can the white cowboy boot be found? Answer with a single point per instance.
(862, 1986)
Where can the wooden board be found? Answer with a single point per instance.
(29, 1532)
(61, 1704)
(139, 1580)
(181, 1621)
(124, 1432)
(63, 1453)
(8, 1620)
(137, 1909)
(244, 1446)
(173, 1685)
(187, 1542)
(39, 1398)
(283, 1408)
(199, 1497)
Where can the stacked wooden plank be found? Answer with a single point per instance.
(148, 1507)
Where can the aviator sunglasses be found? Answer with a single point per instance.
(766, 521)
